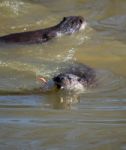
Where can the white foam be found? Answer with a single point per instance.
(83, 26)
(59, 34)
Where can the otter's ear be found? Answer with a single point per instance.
(64, 18)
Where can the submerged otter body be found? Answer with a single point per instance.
(75, 78)
(68, 25)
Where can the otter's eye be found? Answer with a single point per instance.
(81, 21)
(79, 79)
(61, 78)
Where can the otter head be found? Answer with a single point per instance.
(69, 82)
(64, 81)
(71, 24)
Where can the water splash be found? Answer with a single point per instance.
(14, 6)
(70, 54)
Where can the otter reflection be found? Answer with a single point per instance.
(61, 100)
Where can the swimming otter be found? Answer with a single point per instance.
(68, 25)
(75, 78)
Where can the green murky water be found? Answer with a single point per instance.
(39, 121)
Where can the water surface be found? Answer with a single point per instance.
(32, 120)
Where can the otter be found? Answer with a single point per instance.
(67, 26)
(76, 78)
